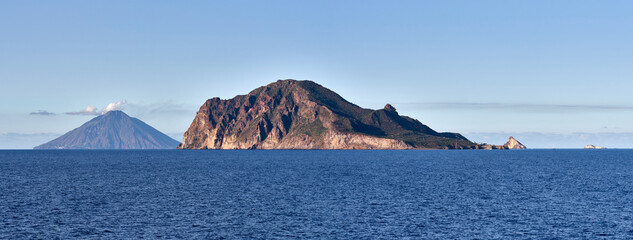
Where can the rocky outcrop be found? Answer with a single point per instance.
(291, 114)
(514, 144)
(594, 147)
(491, 147)
(390, 108)
(112, 130)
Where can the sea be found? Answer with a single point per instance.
(316, 194)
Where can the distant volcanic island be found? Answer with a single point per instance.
(112, 130)
(292, 114)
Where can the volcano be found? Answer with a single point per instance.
(112, 130)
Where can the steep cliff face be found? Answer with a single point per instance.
(514, 144)
(290, 114)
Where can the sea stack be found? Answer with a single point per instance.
(514, 144)
(112, 130)
(291, 114)
(594, 147)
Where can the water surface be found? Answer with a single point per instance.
(316, 194)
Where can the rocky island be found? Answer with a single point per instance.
(514, 144)
(292, 114)
(594, 147)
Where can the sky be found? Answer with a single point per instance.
(554, 74)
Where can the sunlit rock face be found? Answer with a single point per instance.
(514, 144)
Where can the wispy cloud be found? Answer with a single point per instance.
(516, 106)
(42, 112)
(92, 110)
(89, 110)
(167, 116)
(168, 108)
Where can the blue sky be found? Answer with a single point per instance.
(486, 69)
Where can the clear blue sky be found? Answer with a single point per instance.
(486, 69)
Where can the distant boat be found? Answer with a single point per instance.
(594, 147)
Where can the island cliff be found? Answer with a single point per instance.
(291, 114)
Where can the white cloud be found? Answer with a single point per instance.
(89, 110)
(92, 110)
(115, 106)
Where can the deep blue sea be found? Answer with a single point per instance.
(174, 194)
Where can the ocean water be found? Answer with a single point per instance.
(173, 194)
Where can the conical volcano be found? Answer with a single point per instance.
(112, 130)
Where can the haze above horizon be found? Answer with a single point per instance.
(556, 73)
